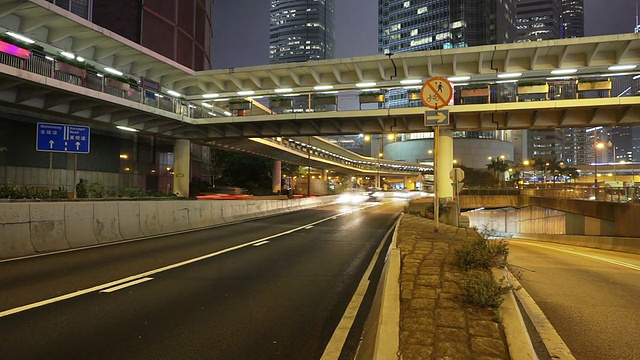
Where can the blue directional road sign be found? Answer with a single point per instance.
(436, 118)
(63, 138)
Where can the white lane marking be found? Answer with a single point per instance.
(150, 272)
(334, 218)
(550, 337)
(120, 287)
(260, 243)
(339, 337)
(600, 258)
(308, 227)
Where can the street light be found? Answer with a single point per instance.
(599, 146)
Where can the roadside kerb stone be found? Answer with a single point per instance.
(434, 321)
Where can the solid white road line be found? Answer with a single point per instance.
(595, 257)
(260, 243)
(152, 272)
(552, 341)
(339, 337)
(120, 287)
(308, 227)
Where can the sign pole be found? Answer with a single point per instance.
(436, 201)
(75, 176)
(50, 172)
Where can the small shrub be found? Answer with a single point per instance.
(481, 289)
(481, 254)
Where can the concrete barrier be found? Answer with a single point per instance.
(15, 230)
(149, 218)
(129, 219)
(30, 228)
(47, 227)
(106, 221)
(621, 244)
(79, 224)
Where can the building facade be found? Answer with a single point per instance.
(180, 30)
(572, 19)
(414, 25)
(538, 20)
(301, 30)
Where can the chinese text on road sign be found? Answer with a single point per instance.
(63, 138)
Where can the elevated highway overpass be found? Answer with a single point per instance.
(165, 99)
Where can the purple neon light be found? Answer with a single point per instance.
(14, 50)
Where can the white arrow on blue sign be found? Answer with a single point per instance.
(63, 138)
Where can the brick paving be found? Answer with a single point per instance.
(434, 322)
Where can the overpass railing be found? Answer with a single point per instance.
(626, 194)
(134, 89)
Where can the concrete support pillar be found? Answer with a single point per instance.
(324, 175)
(276, 177)
(445, 164)
(405, 180)
(181, 167)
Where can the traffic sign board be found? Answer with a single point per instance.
(63, 138)
(436, 93)
(436, 118)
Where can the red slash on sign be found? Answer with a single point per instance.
(436, 93)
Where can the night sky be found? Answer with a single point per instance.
(241, 28)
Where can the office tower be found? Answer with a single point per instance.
(301, 30)
(177, 29)
(538, 20)
(572, 19)
(443, 24)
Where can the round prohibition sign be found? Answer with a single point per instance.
(436, 93)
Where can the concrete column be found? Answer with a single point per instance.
(324, 175)
(181, 167)
(445, 164)
(276, 177)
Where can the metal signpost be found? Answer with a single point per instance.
(73, 139)
(436, 94)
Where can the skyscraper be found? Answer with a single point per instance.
(177, 29)
(538, 20)
(301, 30)
(572, 19)
(443, 24)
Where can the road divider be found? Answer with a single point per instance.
(40, 227)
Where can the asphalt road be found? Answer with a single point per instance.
(273, 288)
(591, 297)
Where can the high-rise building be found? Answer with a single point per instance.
(538, 20)
(572, 19)
(412, 25)
(177, 29)
(415, 25)
(301, 30)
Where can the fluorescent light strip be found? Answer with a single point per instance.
(459, 78)
(125, 128)
(113, 71)
(208, 106)
(622, 67)
(563, 71)
(509, 75)
(20, 37)
(210, 96)
(174, 93)
(245, 93)
(411, 81)
(365, 84)
(323, 87)
(283, 90)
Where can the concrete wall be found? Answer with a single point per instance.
(28, 228)
(587, 217)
